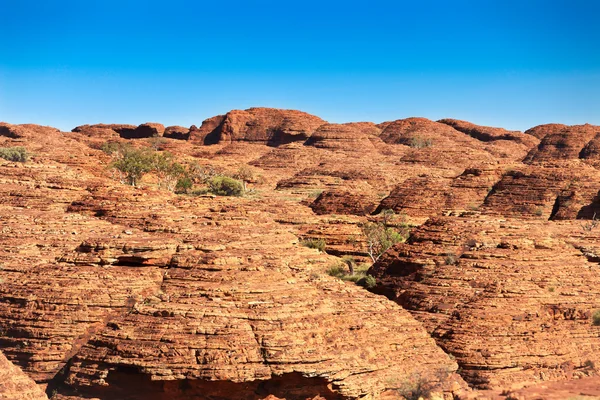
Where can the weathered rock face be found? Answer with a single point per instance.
(15, 385)
(147, 130)
(489, 134)
(344, 203)
(564, 143)
(563, 190)
(23, 131)
(177, 132)
(108, 131)
(353, 137)
(424, 196)
(260, 125)
(542, 130)
(512, 301)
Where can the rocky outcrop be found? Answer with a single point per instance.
(15, 385)
(177, 132)
(147, 130)
(542, 130)
(107, 131)
(353, 137)
(564, 143)
(269, 126)
(489, 134)
(512, 301)
(25, 131)
(423, 196)
(334, 202)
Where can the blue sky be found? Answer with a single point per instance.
(514, 64)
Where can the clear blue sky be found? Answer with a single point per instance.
(505, 63)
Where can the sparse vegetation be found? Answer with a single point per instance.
(589, 364)
(314, 243)
(16, 154)
(422, 386)
(225, 186)
(131, 164)
(450, 259)
(349, 270)
(420, 142)
(596, 318)
(591, 224)
(380, 235)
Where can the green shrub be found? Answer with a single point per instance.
(336, 271)
(596, 318)
(313, 243)
(225, 186)
(368, 281)
(184, 184)
(356, 274)
(18, 154)
(111, 148)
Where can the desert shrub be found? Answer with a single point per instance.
(313, 243)
(450, 259)
(368, 281)
(422, 385)
(244, 173)
(596, 318)
(420, 142)
(225, 186)
(184, 184)
(17, 154)
(380, 236)
(111, 148)
(356, 273)
(199, 173)
(336, 271)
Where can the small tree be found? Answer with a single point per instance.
(167, 170)
(380, 236)
(132, 163)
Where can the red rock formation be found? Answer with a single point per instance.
(107, 131)
(177, 132)
(489, 134)
(512, 301)
(25, 131)
(15, 385)
(345, 137)
(261, 125)
(563, 143)
(112, 292)
(147, 130)
(542, 130)
(333, 202)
